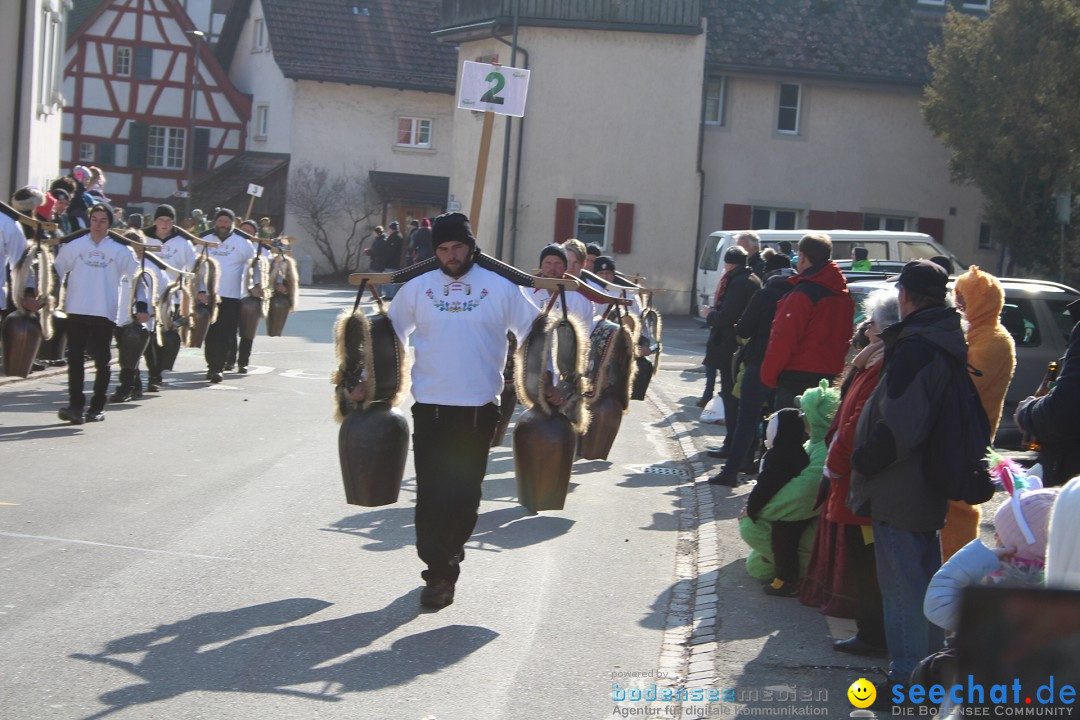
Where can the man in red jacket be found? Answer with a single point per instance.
(812, 328)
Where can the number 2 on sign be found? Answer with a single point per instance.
(492, 95)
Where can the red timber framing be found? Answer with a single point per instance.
(112, 111)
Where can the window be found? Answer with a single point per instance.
(884, 222)
(914, 250)
(165, 147)
(258, 35)
(122, 62)
(983, 5)
(986, 242)
(262, 121)
(50, 59)
(591, 222)
(414, 132)
(86, 152)
(1062, 317)
(936, 3)
(788, 119)
(768, 219)
(714, 101)
(1018, 317)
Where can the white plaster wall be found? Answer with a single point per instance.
(592, 132)
(859, 149)
(353, 129)
(157, 187)
(257, 74)
(98, 126)
(94, 95)
(119, 183)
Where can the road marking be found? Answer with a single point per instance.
(9, 504)
(259, 370)
(304, 375)
(110, 545)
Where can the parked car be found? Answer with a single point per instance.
(885, 248)
(1035, 316)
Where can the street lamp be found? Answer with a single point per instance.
(199, 35)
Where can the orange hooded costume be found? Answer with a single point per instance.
(991, 351)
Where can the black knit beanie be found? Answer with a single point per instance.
(450, 227)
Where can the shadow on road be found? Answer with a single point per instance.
(188, 656)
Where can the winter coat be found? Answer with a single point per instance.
(1055, 417)
(888, 481)
(841, 445)
(420, 245)
(377, 253)
(970, 565)
(721, 345)
(394, 250)
(811, 331)
(991, 349)
(756, 321)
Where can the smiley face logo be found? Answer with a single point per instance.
(862, 693)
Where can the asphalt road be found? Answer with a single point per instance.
(193, 557)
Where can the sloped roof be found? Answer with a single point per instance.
(856, 39)
(233, 178)
(386, 43)
(80, 11)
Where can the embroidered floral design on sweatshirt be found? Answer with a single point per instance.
(455, 306)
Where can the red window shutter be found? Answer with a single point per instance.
(934, 227)
(848, 220)
(565, 210)
(736, 217)
(624, 227)
(820, 220)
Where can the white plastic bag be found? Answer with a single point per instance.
(713, 413)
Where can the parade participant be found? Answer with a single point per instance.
(457, 316)
(94, 263)
(13, 244)
(592, 251)
(233, 255)
(149, 281)
(251, 280)
(553, 264)
(176, 251)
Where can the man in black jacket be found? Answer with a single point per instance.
(1054, 418)
(733, 294)
(754, 326)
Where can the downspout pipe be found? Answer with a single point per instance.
(16, 129)
(500, 231)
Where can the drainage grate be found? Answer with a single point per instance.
(657, 470)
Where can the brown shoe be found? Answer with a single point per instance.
(437, 594)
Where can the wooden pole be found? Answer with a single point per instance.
(251, 204)
(481, 169)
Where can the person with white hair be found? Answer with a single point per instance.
(1063, 544)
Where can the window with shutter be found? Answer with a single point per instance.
(106, 153)
(736, 217)
(201, 160)
(565, 209)
(137, 139)
(144, 63)
(624, 227)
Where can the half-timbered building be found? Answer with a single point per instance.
(148, 102)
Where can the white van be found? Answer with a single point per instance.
(881, 245)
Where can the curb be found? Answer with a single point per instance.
(688, 649)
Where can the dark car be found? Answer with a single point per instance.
(1035, 316)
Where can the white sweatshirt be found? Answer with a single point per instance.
(178, 252)
(577, 305)
(458, 328)
(12, 245)
(96, 269)
(233, 254)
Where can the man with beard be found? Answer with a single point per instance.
(233, 254)
(457, 316)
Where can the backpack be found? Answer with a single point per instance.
(956, 449)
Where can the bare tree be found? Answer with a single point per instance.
(330, 207)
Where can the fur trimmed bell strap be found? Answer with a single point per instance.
(31, 222)
(283, 272)
(511, 273)
(150, 231)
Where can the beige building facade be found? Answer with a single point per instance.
(33, 34)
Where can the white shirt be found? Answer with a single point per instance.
(577, 305)
(234, 255)
(95, 272)
(458, 328)
(12, 246)
(178, 252)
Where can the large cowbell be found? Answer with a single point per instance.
(280, 305)
(373, 441)
(251, 311)
(168, 349)
(21, 338)
(131, 342)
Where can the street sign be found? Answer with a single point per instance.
(493, 88)
(255, 190)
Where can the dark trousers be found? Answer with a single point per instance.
(786, 535)
(743, 438)
(88, 333)
(451, 447)
(150, 355)
(869, 617)
(222, 335)
(727, 396)
(795, 383)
